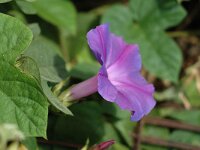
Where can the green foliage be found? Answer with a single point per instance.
(61, 14)
(54, 100)
(22, 103)
(84, 70)
(157, 13)
(189, 138)
(96, 126)
(20, 93)
(28, 66)
(49, 61)
(48, 53)
(16, 38)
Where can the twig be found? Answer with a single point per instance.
(171, 124)
(137, 132)
(58, 143)
(185, 100)
(170, 104)
(165, 143)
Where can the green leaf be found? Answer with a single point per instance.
(61, 13)
(22, 101)
(158, 51)
(119, 17)
(46, 54)
(15, 37)
(54, 100)
(5, 1)
(157, 13)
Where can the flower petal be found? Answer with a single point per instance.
(117, 47)
(134, 99)
(105, 87)
(128, 62)
(99, 41)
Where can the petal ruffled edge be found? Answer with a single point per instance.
(141, 102)
(99, 41)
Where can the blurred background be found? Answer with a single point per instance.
(168, 34)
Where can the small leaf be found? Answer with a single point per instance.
(54, 100)
(15, 37)
(29, 67)
(24, 101)
(50, 63)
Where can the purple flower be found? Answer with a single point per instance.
(119, 79)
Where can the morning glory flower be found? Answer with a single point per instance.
(119, 79)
